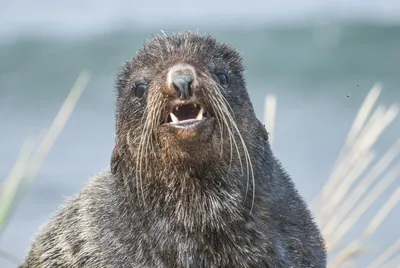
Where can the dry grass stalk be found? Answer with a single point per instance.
(335, 235)
(269, 116)
(348, 194)
(368, 136)
(10, 186)
(9, 257)
(355, 129)
(28, 164)
(363, 186)
(58, 124)
(394, 263)
(356, 246)
(386, 255)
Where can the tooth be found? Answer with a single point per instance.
(195, 105)
(177, 107)
(174, 118)
(200, 114)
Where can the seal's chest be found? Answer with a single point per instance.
(213, 251)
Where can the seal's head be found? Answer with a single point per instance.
(182, 103)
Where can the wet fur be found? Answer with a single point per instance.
(193, 202)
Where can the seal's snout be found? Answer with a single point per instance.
(181, 79)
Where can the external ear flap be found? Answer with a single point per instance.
(115, 159)
(263, 130)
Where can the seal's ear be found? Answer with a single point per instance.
(115, 159)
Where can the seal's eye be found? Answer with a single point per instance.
(140, 89)
(222, 79)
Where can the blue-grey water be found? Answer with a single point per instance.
(320, 74)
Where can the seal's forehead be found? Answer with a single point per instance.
(185, 45)
(182, 42)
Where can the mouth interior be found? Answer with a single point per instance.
(185, 112)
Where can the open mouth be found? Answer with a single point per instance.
(187, 113)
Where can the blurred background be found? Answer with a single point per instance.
(319, 58)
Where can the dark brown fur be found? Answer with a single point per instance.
(179, 198)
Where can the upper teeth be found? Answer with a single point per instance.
(174, 118)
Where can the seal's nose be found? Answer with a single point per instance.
(182, 83)
(181, 79)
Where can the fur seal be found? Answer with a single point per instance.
(192, 181)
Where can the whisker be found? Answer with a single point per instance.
(232, 141)
(247, 155)
(221, 121)
(146, 146)
(225, 112)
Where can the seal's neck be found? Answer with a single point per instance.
(193, 199)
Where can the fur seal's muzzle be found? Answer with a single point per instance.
(187, 110)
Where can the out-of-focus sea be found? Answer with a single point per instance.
(320, 74)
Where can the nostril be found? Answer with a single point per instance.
(182, 85)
